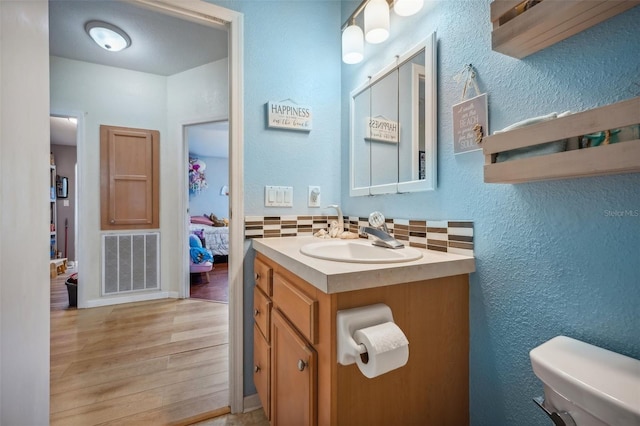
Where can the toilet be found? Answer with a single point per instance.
(585, 385)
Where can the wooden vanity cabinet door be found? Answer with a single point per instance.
(293, 376)
(262, 369)
(262, 312)
(297, 307)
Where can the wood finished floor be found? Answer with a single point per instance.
(217, 288)
(150, 363)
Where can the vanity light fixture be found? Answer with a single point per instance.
(376, 25)
(407, 7)
(376, 21)
(107, 36)
(352, 44)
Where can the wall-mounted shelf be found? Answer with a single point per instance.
(546, 23)
(620, 157)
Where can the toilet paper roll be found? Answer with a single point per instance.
(387, 349)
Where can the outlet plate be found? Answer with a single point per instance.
(313, 198)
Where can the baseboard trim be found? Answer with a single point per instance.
(251, 403)
(202, 417)
(107, 301)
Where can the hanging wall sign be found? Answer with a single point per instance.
(382, 130)
(470, 124)
(288, 115)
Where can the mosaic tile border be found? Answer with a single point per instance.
(451, 236)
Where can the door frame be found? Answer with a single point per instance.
(201, 11)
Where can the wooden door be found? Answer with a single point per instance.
(129, 178)
(293, 376)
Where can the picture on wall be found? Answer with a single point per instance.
(470, 117)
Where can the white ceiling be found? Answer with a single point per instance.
(160, 44)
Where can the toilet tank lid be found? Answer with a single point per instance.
(602, 382)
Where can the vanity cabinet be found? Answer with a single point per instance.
(300, 381)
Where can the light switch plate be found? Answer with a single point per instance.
(314, 196)
(278, 196)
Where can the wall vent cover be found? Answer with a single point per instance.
(130, 262)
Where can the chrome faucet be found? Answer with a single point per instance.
(379, 231)
(340, 217)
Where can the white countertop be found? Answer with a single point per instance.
(336, 277)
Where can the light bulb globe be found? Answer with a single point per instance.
(376, 21)
(352, 45)
(407, 7)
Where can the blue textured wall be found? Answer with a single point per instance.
(291, 51)
(550, 260)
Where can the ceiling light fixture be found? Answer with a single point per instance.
(376, 25)
(107, 36)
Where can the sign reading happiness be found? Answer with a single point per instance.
(288, 115)
(382, 130)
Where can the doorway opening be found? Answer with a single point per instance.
(208, 181)
(63, 208)
(209, 15)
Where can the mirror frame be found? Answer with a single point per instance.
(429, 183)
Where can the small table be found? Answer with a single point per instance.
(57, 267)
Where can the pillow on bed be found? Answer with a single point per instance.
(201, 220)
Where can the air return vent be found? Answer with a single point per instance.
(130, 262)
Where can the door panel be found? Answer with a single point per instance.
(129, 178)
(294, 376)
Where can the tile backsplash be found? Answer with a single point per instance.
(452, 236)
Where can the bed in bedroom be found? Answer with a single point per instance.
(215, 238)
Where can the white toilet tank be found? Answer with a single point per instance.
(593, 385)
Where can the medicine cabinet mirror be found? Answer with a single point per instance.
(393, 134)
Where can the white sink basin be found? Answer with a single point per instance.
(356, 251)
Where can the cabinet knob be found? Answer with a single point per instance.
(256, 312)
(301, 365)
(112, 221)
(256, 368)
(257, 276)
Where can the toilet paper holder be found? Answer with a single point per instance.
(350, 320)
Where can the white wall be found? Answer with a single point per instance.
(114, 97)
(118, 97)
(197, 95)
(24, 213)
